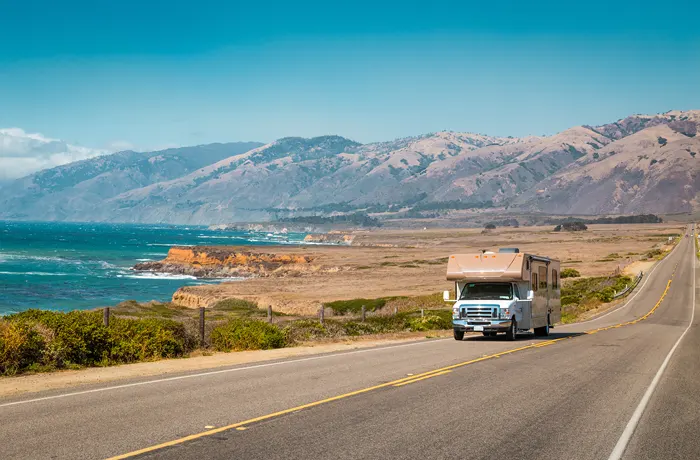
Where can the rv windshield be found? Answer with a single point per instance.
(487, 291)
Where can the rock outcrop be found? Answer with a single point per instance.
(227, 262)
(329, 238)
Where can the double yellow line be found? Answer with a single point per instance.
(394, 383)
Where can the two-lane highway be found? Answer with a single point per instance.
(481, 398)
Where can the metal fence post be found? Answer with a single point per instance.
(320, 314)
(201, 326)
(364, 313)
(105, 316)
(269, 314)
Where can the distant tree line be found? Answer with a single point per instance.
(358, 218)
(635, 219)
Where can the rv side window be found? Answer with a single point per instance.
(516, 291)
(534, 282)
(555, 279)
(543, 277)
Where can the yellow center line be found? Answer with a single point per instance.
(396, 383)
(422, 378)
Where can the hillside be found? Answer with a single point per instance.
(640, 164)
(78, 190)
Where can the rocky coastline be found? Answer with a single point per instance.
(210, 262)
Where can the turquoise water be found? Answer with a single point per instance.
(67, 266)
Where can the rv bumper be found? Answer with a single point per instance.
(492, 326)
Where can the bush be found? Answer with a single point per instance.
(342, 307)
(79, 338)
(430, 323)
(571, 227)
(20, 347)
(570, 273)
(240, 334)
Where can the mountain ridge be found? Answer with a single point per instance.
(638, 164)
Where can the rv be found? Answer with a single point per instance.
(507, 291)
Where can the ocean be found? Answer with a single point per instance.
(68, 266)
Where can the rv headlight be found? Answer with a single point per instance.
(505, 313)
(455, 312)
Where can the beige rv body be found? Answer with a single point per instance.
(536, 292)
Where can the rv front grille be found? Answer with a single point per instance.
(480, 312)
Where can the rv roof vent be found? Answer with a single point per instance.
(510, 250)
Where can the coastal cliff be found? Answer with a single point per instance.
(329, 238)
(227, 262)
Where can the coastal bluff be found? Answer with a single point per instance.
(226, 262)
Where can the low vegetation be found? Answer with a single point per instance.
(40, 340)
(585, 294)
(570, 273)
(37, 340)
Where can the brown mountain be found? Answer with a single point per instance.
(640, 164)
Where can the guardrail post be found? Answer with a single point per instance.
(269, 314)
(364, 313)
(201, 326)
(105, 316)
(320, 315)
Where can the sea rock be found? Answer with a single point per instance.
(227, 262)
(329, 238)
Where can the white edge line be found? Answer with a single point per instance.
(222, 371)
(629, 300)
(626, 436)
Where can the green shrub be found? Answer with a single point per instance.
(20, 347)
(240, 334)
(570, 273)
(342, 307)
(430, 323)
(79, 338)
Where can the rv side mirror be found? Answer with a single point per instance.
(530, 295)
(446, 296)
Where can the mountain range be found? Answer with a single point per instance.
(639, 164)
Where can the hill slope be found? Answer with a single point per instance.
(640, 164)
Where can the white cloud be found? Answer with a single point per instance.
(23, 153)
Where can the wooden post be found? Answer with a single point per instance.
(320, 314)
(421, 313)
(396, 311)
(201, 326)
(269, 314)
(105, 316)
(364, 313)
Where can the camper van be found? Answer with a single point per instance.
(503, 292)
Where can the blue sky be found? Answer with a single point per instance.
(150, 74)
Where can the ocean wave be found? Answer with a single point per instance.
(157, 276)
(35, 273)
(144, 260)
(167, 244)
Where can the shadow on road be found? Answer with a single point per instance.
(522, 337)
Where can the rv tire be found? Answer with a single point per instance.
(512, 330)
(459, 335)
(542, 331)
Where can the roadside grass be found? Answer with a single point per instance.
(585, 294)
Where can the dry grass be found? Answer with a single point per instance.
(398, 263)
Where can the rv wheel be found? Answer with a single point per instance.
(512, 331)
(459, 335)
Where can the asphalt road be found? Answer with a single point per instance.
(573, 398)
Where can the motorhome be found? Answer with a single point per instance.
(503, 292)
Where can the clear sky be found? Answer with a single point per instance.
(148, 74)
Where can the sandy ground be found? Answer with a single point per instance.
(387, 262)
(31, 383)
